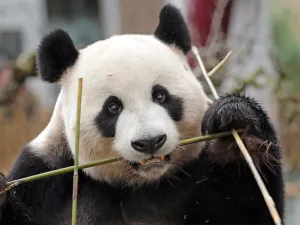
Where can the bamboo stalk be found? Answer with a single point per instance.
(215, 69)
(268, 199)
(109, 160)
(77, 137)
(205, 138)
(62, 171)
(210, 84)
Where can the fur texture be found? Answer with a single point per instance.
(55, 55)
(172, 29)
(137, 87)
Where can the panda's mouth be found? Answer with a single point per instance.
(154, 161)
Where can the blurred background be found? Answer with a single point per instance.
(264, 36)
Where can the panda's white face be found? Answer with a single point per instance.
(139, 100)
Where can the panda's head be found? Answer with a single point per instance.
(139, 99)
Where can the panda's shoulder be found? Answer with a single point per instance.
(32, 160)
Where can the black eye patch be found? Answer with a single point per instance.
(106, 120)
(171, 103)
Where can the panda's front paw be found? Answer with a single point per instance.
(3, 196)
(239, 112)
(236, 112)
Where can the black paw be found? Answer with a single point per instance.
(238, 112)
(3, 196)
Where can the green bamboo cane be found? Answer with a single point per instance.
(109, 160)
(61, 171)
(76, 176)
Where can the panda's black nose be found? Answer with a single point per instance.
(149, 146)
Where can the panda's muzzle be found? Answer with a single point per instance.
(150, 147)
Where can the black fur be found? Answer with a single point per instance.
(106, 121)
(2, 187)
(213, 189)
(56, 53)
(3, 197)
(172, 104)
(172, 29)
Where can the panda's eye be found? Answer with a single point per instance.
(160, 97)
(115, 107)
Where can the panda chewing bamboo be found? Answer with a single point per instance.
(139, 99)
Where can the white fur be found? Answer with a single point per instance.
(127, 66)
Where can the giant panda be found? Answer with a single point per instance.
(139, 100)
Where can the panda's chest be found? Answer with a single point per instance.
(145, 206)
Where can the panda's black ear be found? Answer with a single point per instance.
(55, 54)
(172, 28)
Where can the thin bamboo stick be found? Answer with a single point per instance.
(206, 138)
(109, 160)
(61, 171)
(215, 69)
(77, 137)
(268, 199)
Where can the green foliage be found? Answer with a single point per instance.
(286, 48)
